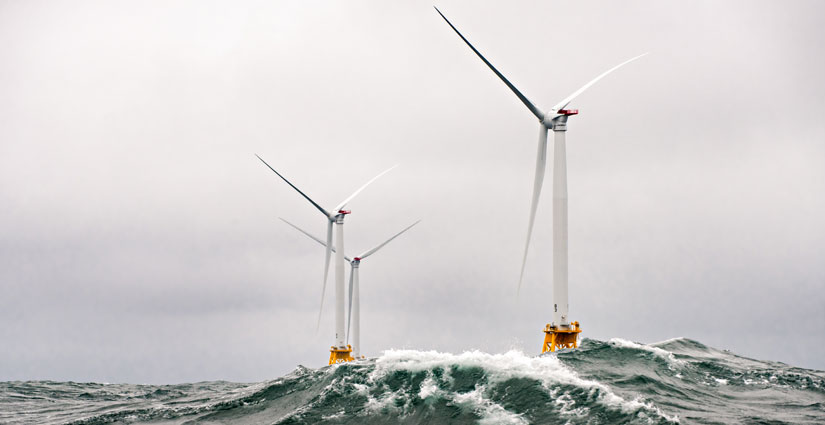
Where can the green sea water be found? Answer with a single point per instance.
(602, 382)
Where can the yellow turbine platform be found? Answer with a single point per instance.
(558, 338)
(340, 355)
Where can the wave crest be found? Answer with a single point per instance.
(602, 382)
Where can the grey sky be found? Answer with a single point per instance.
(139, 239)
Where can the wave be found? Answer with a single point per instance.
(603, 382)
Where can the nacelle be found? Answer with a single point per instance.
(553, 118)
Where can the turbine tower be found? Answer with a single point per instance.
(340, 352)
(560, 333)
(354, 322)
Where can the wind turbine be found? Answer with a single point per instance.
(338, 352)
(354, 291)
(559, 333)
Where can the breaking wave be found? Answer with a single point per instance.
(612, 382)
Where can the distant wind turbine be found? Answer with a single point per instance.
(354, 291)
(339, 351)
(555, 119)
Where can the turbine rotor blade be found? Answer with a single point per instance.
(349, 316)
(568, 99)
(306, 233)
(293, 186)
(372, 251)
(536, 111)
(316, 239)
(541, 161)
(346, 201)
(326, 270)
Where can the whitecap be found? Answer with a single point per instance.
(428, 388)
(548, 370)
(658, 352)
(490, 412)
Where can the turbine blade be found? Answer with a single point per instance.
(293, 186)
(316, 239)
(326, 270)
(306, 233)
(541, 161)
(349, 316)
(568, 99)
(524, 100)
(346, 201)
(372, 251)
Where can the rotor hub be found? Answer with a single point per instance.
(556, 121)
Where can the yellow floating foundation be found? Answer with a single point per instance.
(558, 338)
(340, 355)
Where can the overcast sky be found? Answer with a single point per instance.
(139, 239)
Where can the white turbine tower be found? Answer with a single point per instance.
(339, 352)
(354, 322)
(558, 334)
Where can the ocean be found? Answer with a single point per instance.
(602, 382)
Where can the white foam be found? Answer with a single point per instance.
(669, 340)
(663, 354)
(499, 367)
(388, 402)
(491, 413)
(338, 415)
(566, 405)
(361, 389)
(548, 370)
(428, 388)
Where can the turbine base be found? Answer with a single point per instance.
(556, 338)
(340, 355)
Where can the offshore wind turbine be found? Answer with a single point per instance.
(354, 291)
(339, 352)
(560, 333)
